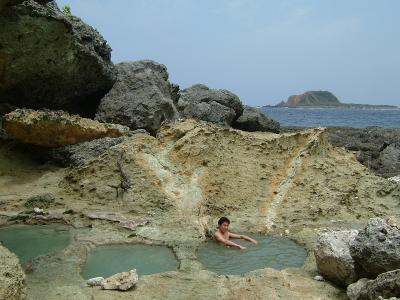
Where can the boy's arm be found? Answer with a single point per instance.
(242, 237)
(223, 240)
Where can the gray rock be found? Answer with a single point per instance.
(333, 258)
(51, 60)
(78, 154)
(217, 106)
(253, 119)
(141, 97)
(120, 281)
(96, 281)
(376, 249)
(386, 285)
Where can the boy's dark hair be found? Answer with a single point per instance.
(223, 220)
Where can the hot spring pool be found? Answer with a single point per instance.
(272, 252)
(30, 241)
(146, 259)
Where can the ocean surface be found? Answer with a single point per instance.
(317, 116)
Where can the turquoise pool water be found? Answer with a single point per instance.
(272, 252)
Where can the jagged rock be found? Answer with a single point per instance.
(217, 106)
(56, 128)
(141, 97)
(386, 285)
(11, 276)
(96, 281)
(376, 248)
(395, 179)
(51, 60)
(40, 201)
(129, 223)
(120, 281)
(253, 119)
(78, 154)
(333, 258)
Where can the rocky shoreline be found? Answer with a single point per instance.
(133, 159)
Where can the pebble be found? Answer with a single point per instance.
(319, 278)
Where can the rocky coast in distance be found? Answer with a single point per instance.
(124, 156)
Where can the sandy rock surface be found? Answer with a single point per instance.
(12, 285)
(56, 128)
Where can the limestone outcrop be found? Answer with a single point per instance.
(142, 97)
(332, 255)
(252, 119)
(217, 106)
(376, 248)
(51, 60)
(12, 285)
(120, 281)
(386, 285)
(56, 128)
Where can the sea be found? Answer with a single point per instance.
(324, 117)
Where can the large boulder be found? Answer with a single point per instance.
(121, 281)
(253, 119)
(141, 97)
(56, 128)
(12, 276)
(386, 285)
(333, 258)
(217, 106)
(53, 60)
(376, 249)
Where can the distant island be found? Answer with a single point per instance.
(324, 99)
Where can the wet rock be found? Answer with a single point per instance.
(96, 281)
(120, 281)
(129, 223)
(52, 60)
(333, 258)
(56, 128)
(141, 97)
(386, 285)
(217, 106)
(253, 119)
(11, 276)
(376, 248)
(78, 154)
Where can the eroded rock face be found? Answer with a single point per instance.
(386, 285)
(376, 248)
(333, 258)
(120, 281)
(216, 106)
(141, 97)
(253, 119)
(12, 277)
(56, 128)
(51, 60)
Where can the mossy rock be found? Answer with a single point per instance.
(41, 201)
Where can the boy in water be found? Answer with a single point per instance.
(222, 235)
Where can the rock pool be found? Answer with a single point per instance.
(272, 252)
(146, 259)
(30, 241)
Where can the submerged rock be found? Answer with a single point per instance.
(386, 285)
(141, 97)
(120, 281)
(376, 248)
(333, 258)
(49, 59)
(253, 119)
(216, 106)
(12, 276)
(56, 128)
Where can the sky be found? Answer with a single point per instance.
(262, 50)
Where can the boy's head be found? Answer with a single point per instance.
(223, 224)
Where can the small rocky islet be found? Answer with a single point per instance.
(124, 156)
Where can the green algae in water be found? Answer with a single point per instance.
(30, 241)
(146, 259)
(271, 252)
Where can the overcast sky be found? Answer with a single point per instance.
(262, 50)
